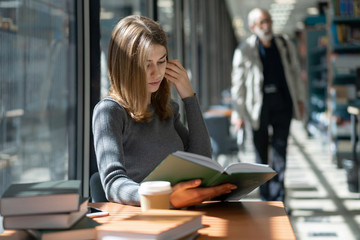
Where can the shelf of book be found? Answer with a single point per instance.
(343, 57)
(319, 49)
(346, 48)
(346, 19)
(345, 8)
(316, 66)
(341, 79)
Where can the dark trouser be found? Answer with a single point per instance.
(273, 190)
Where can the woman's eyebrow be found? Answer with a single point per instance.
(149, 60)
(163, 56)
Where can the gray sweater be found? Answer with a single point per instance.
(127, 151)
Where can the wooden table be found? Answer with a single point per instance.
(233, 220)
(223, 112)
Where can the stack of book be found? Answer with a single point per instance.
(47, 208)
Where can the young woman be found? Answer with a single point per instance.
(138, 124)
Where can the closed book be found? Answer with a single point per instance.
(41, 197)
(83, 229)
(45, 221)
(183, 166)
(153, 224)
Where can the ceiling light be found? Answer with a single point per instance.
(285, 1)
(238, 22)
(165, 3)
(312, 11)
(281, 7)
(106, 15)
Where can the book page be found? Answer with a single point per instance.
(248, 167)
(200, 159)
(177, 168)
(245, 182)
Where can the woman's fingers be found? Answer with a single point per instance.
(189, 193)
(187, 185)
(175, 66)
(177, 74)
(212, 192)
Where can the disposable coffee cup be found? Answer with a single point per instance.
(155, 195)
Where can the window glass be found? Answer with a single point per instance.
(169, 16)
(166, 17)
(38, 90)
(190, 56)
(111, 11)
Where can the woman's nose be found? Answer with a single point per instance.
(155, 71)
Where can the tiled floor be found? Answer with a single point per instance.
(317, 191)
(322, 206)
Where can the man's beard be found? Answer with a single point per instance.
(263, 34)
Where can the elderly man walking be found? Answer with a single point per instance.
(268, 92)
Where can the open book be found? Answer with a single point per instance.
(182, 166)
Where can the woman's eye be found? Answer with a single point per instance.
(162, 62)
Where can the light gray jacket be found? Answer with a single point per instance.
(248, 79)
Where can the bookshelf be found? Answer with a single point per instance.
(343, 58)
(316, 65)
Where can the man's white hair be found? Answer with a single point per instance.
(254, 14)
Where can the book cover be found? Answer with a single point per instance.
(183, 166)
(41, 197)
(45, 221)
(154, 224)
(83, 229)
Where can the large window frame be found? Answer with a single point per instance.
(57, 29)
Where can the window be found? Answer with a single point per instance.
(110, 13)
(38, 90)
(166, 17)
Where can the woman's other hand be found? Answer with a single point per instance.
(177, 74)
(189, 193)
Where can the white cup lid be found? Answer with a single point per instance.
(155, 188)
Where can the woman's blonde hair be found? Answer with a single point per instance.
(128, 51)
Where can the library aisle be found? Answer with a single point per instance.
(317, 192)
(322, 207)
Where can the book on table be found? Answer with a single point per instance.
(41, 197)
(46, 221)
(153, 224)
(84, 229)
(183, 166)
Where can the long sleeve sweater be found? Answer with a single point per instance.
(127, 151)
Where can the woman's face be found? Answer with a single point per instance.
(155, 67)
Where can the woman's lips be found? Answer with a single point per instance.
(155, 83)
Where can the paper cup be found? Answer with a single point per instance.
(155, 195)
